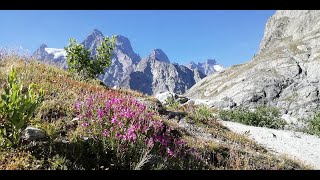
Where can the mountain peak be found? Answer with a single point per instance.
(211, 61)
(96, 32)
(159, 55)
(42, 46)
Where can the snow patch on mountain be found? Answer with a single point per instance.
(56, 52)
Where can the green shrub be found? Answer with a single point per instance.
(314, 125)
(80, 61)
(171, 103)
(16, 108)
(202, 114)
(263, 117)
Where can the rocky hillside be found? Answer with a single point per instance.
(129, 70)
(207, 67)
(284, 73)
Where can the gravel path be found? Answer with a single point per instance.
(303, 147)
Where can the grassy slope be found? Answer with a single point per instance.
(231, 151)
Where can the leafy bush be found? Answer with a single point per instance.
(16, 108)
(202, 114)
(263, 117)
(135, 136)
(80, 61)
(171, 103)
(314, 125)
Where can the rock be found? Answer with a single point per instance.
(75, 120)
(223, 104)
(162, 97)
(33, 134)
(175, 115)
(284, 73)
(190, 102)
(154, 105)
(183, 123)
(182, 99)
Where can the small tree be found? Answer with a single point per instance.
(80, 61)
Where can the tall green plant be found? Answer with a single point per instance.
(16, 109)
(80, 61)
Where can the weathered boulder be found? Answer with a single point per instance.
(33, 134)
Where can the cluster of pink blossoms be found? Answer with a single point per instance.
(127, 120)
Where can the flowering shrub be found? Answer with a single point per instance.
(128, 129)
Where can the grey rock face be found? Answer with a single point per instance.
(159, 55)
(285, 73)
(33, 134)
(152, 76)
(207, 67)
(93, 41)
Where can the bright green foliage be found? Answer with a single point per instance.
(262, 117)
(16, 108)
(80, 61)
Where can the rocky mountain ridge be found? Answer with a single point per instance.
(149, 75)
(284, 73)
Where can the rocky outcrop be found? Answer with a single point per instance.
(284, 73)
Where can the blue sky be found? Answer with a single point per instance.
(231, 36)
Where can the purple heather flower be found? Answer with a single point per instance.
(105, 133)
(89, 101)
(85, 124)
(120, 124)
(89, 115)
(150, 143)
(114, 120)
(77, 105)
(100, 113)
(118, 135)
(170, 152)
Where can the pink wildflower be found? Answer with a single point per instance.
(120, 124)
(100, 113)
(170, 152)
(114, 120)
(105, 133)
(85, 124)
(118, 135)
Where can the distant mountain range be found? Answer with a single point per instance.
(151, 75)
